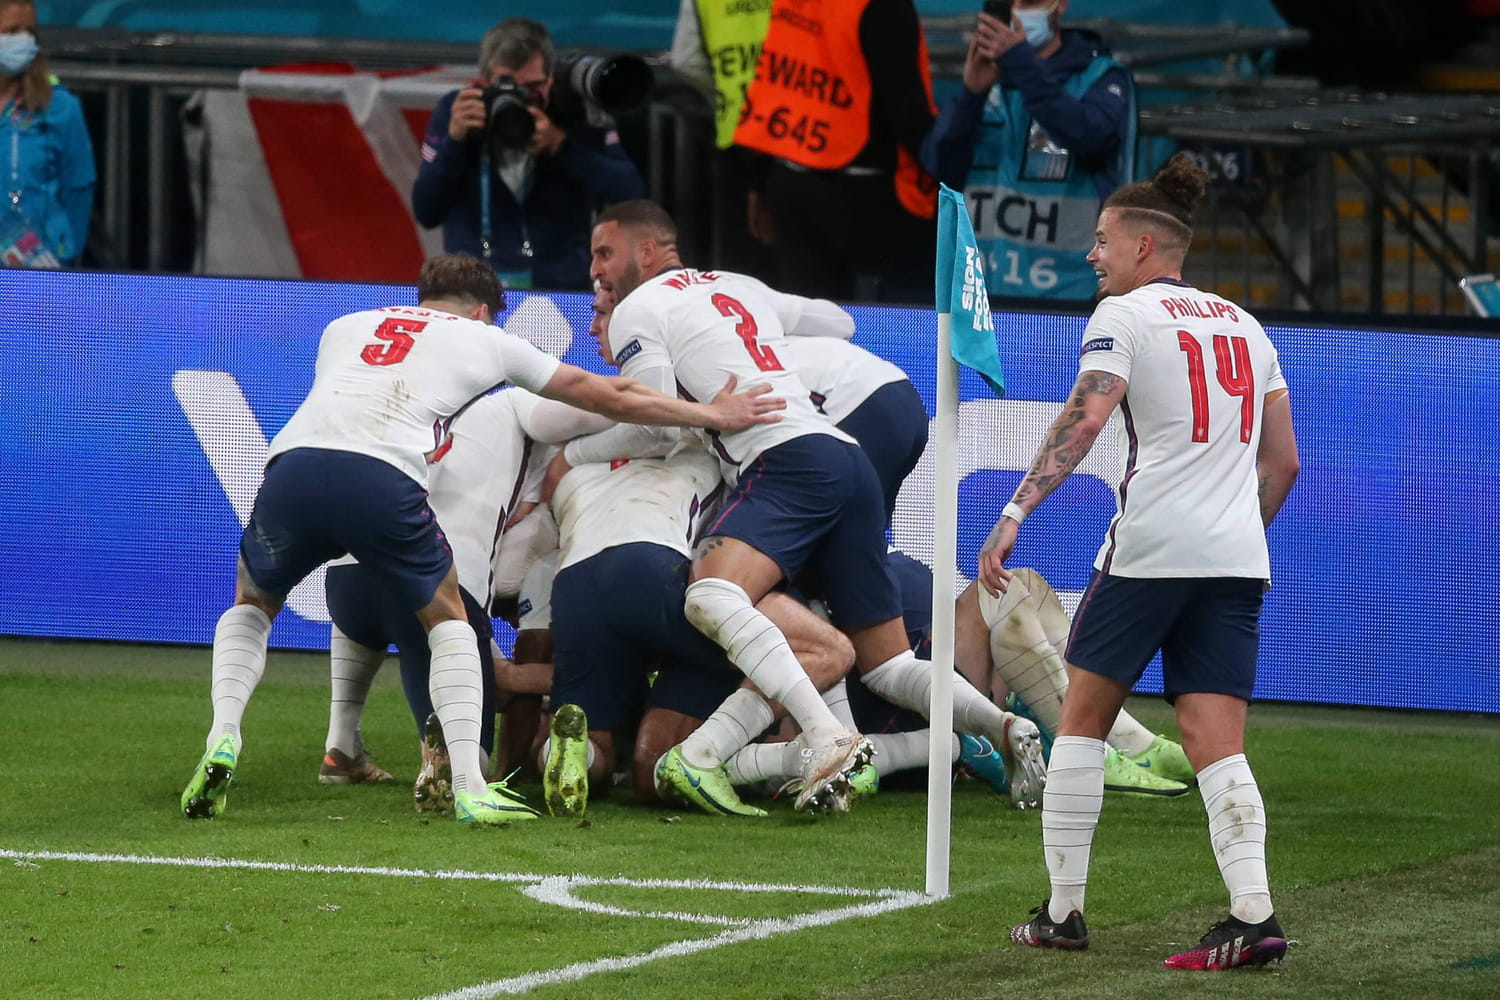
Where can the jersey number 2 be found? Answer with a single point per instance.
(765, 359)
(397, 334)
(1232, 366)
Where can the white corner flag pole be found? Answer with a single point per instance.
(944, 570)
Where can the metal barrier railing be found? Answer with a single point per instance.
(1367, 203)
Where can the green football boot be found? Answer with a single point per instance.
(1165, 759)
(565, 780)
(1123, 777)
(205, 794)
(495, 806)
(709, 790)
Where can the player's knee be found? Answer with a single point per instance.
(995, 610)
(710, 602)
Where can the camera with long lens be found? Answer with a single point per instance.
(609, 83)
(507, 109)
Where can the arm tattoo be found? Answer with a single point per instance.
(1067, 443)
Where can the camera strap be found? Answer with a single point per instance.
(513, 279)
(485, 228)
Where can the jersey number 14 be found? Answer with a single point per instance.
(1232, 366)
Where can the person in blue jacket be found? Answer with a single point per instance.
(46, 160)
(1041, 133)
(522, 202)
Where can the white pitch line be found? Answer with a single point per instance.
(757, 930)
(269, 866)
(558, 890)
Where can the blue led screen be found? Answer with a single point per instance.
(136, 414)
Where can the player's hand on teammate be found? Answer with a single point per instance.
(739, 410)
(993, 576)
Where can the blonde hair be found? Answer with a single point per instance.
(36, 82)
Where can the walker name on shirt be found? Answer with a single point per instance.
(1178, 308)
(686, 279)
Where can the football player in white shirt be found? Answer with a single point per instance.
(804, 497)
(627, 526)
(1210, 457)
(867, 398)
(347, 475)
(475, 488)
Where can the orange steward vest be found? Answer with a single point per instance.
(810, 100)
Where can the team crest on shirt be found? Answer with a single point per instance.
(627, 352)
(1097, 344)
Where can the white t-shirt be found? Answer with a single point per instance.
(388, 381)
(604, 504)
(1199, 368)
(707, 326)
(840, 375)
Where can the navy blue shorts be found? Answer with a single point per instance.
(616, 617)
(891, 428)
(814, 503)
(317, 504)
(366, 610)
(1207, 628)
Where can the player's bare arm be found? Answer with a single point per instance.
(629, 401)
(1277, 463)
(1094, 397)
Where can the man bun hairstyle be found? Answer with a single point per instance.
(1168, 199)
(463, 279)
(642, 216)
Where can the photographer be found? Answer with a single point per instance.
(1044, 131)
(513, 179)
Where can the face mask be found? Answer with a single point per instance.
(1037, 25)
(17, 52)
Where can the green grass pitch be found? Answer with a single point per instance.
(1384, 850)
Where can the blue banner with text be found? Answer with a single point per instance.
(137, 411)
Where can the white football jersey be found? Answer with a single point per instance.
(476, 482)
(388, 381)
(707, 326)
(839, 375)
(604, 504)
(1199, 368)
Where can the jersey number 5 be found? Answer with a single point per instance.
(1232, 366)
(765, 359)
(397, 334)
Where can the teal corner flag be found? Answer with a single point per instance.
(961, 291)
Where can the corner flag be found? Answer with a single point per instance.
(961, 291)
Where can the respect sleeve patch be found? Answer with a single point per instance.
(627, 352)
(1097, 344)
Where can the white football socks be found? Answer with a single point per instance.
(1237, 830)
(239, 662)
(837, 700)
(765, 762)
(1128, 736)
(906, 681)
(723, 612)
(352, 668)
(1070, 812)
(743, 716)
(904, 751)
(455, 685)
